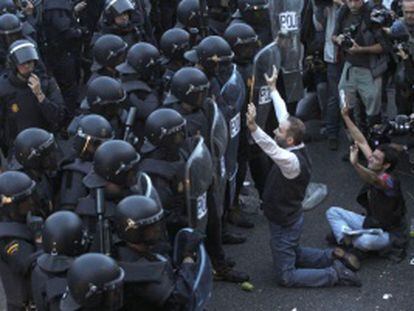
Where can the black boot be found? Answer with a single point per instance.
(236, 217)
(228, 274)
(346, 276)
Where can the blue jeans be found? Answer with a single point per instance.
(298, 266)
(342, 220)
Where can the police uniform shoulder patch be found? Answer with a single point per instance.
(15, 108)
(11, 248)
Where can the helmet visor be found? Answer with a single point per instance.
(24, 53)
(119, 6)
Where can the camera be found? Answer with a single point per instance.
(401, 125)
(381, 18)
(400, 37)
(349, 34)
(381, 133)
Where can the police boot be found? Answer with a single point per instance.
(348, 259)
(345, 276)
(227, 274)
(236, 217)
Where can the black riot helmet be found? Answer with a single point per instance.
(189, 85)
(92, 131)
(22, 51)
(142, 60)
(95, 282)
(137, 220)
(108, 51)
(63, 234)
(165, 127)
(7, 6)
(254, 12)
(243, 40)
(16, 189)
(114, 161)
(10, 29)
(36, 149)
(189, 15)
(174, 43)
(115, 8)
(105, 96)
(210, 53)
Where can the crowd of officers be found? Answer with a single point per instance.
(102, 104)
(101, 107)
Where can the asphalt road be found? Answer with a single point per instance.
(379, 276)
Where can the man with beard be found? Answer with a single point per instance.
(27, 98)
(295, 266)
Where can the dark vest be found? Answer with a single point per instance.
(282, 197)
(383, 211)
(388, 213)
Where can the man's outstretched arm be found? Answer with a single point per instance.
(355, 133)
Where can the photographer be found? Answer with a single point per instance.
(383, 228)
(402, 34)
(363, 48)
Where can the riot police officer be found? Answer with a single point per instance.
(256, 14)
(28, 98)
(63, 36)
(36, 151)
(29, 28)
(63, 239)
(95, 282)
(188, 95)
(165, 129)
(19, 237)
(214, 54)
(244, 42)
(108, 52)
(92, 131)
(114, 175)
(192, 17)
(131, 23)
(173, 44)
(10, 31)
(104, 96)
(141, 79)
(139, 224)
(220, 13)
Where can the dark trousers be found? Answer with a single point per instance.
(65, 69)
(332, 111)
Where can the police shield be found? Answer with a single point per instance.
(219, 138)
(285, 16)
(233, 93)
(264, 62)
(202, 279)
(145, 187)
(198, 177)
